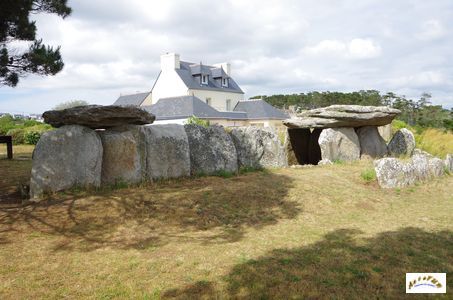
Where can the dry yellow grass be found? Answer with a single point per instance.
(320, 232)
(436, 142)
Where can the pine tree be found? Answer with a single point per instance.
(15, 25)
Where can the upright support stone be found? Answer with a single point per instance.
(124, 154)
(167, 151)
(259, 148)
(372, 145)
(211, 150)
(339, 144)
(70, 156)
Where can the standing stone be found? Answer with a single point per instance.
(448, 163)
(211, 150)
(402, 143)
(392, 173)
(167, 151)
(371, 143)
(124, 154)
(339, 144)
(70, 156)
(259, 148)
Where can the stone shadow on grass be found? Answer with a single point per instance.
(205, 210)
(341, 266)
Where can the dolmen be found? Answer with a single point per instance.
(339, 133)
(95, 146)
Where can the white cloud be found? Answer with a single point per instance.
(113, 46)
(356, 48)
(431, 30)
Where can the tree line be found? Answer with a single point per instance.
(418, 112)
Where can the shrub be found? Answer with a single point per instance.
(32, 137)
(368, 175)
(18, 135)
(197, 121)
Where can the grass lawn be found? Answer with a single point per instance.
(320, 232)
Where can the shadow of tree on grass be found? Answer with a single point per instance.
(341, 266)
(206, 210)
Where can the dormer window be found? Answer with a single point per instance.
(225, 82)
(204, 79)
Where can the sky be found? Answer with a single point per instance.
(113, 47)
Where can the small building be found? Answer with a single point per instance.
(184, 89)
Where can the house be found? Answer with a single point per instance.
(183, 89)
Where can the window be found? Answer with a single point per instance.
(228, 105)
(204, 79)
(225, 82)
(208, 101)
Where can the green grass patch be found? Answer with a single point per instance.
(368, 175)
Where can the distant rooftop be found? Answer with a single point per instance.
(187, 106)
(133, 99)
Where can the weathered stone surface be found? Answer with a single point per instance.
(339, 144)
(371, 143)
(167, 151)
(402, 143)
(386, 132)
(124, 154)
(211, 150)
(258, 148)
(393, 173)
(66, 157)
(98, 117)
(343, 116)
(448, 163)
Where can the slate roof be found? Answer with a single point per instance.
(190, 75)
(187, 106)
(135, 99)
(260, 109)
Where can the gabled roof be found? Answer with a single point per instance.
(187, 106)
(188, 73)
(260, 109)
(134, 99)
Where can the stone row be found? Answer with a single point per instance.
(76, 156)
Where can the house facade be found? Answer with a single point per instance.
(183, 89)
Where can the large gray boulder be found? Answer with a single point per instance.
(98, 117)
(371, 142)
(393, 173)
(343, 116)
(70, 156)
(402, 143)
(258, 148)
(124, 154)
(211, 150)
(167, 151)
(448, 163)
(339, 144)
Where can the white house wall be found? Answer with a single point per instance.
(168, 84)
(218, 99)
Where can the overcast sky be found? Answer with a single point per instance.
(113, 46)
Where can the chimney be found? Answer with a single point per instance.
(225, 66)
(169, 61)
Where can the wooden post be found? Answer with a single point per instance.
(9, 145)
